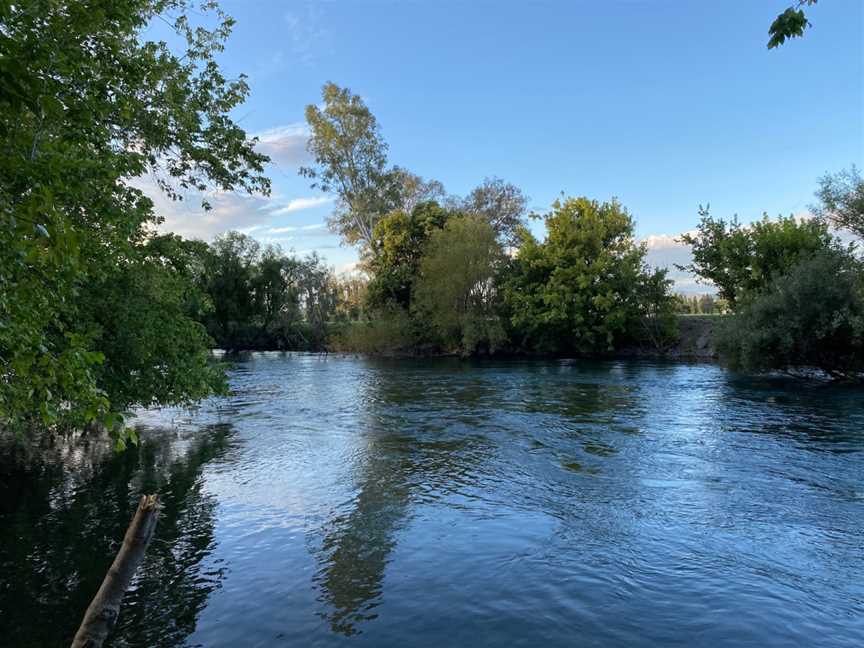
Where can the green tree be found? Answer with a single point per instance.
(789, 24)
(86, 105)
(745, 259)
(656, 320)
(841, 200)
(319, 299)
(810, 318)
(350, 159)
(231, 279)
(579, 290)
(707, 304)
(155, 352)
(455, 292)
(401, 239)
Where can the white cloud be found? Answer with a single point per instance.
(665, 241)
(297, 228)
(186, 217)
(286, 145)
(299, 204)
(667, 250)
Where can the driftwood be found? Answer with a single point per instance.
(102, 613)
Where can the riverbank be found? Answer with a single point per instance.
(694, 341)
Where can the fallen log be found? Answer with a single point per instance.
(102, 613)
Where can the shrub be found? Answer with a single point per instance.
(811, 318)
(390, 331)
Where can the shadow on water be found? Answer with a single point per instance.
(64, 508)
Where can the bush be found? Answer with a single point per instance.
(389, 332)
(811, 318)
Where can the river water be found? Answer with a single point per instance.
(337, 501)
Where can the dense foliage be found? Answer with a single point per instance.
(810, 318)
(742, 260)
(86, 105)
(439, 274)
(586, 287)
(796, 292)
(265, 299)
(401, 238)
(456, 291)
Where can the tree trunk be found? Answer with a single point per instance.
(102, 613)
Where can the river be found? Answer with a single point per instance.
(339, 501)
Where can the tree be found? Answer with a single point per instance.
(579, 290)
(141, 312)
(414, 190)
(401, 239)
(352, 291)
(86, 105)
(656, 322)
(351, 160)
(319, 298)
(231, 280)
(841, 198)
(789, 24)
(499, 203)
(810, 318)
(745, 259)
(455, 292)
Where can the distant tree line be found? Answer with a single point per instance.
(706, 304)
(262, 298)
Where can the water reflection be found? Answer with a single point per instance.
(393, 503)
(399, 464)
(64, 508)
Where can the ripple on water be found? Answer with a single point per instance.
(445, 502)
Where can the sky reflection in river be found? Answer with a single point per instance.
(386, 503)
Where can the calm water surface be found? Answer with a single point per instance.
(349, 502)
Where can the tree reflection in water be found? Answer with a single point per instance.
(64, 508)
(401, 463)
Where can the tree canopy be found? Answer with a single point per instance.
(350, 158)
(456, 292)
(500, 204)
(579, 289)
(741, 259)
(841, 200)
(401, 240)
(263, 298)
(88, 104)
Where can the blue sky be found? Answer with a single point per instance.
(665, 104)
